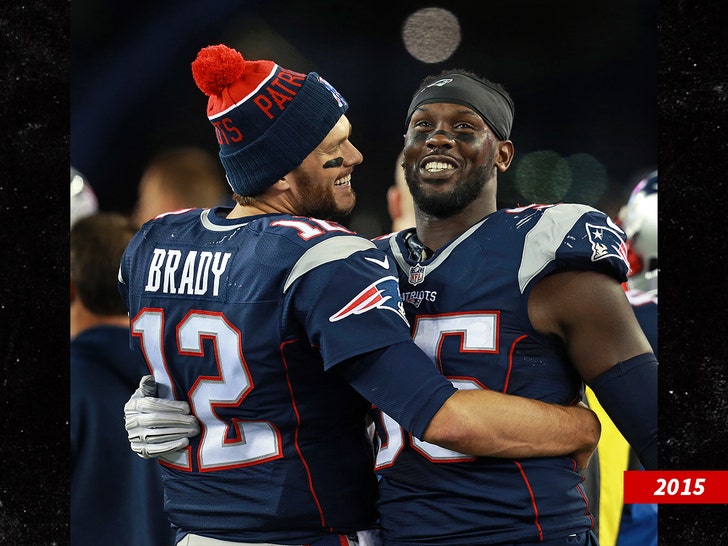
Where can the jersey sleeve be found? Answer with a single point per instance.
(350, 306)
(573, 236)
(402, 382)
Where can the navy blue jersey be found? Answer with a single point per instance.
(468, 309)
(244, 319)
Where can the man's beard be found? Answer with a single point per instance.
(446, 205)
(316, 201)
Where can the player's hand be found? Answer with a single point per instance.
(156, 426)
(594, 428)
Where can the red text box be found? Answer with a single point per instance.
(676, 487)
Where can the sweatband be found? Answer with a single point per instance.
(494, 107)
(401, 381)
(628, 393)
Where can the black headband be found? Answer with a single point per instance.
(492, 104)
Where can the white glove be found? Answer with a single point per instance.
(157, 426)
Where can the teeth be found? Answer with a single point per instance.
(437, 166)
(343, 181)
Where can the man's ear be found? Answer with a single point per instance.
(505, 155)
(282, 185)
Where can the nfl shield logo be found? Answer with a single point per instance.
(416, 274)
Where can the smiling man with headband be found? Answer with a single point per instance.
(488, 99)
(524, 301)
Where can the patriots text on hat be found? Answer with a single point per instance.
(266, 118)
(273, 94)
(214, 71)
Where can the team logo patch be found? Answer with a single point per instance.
(606, 242)
(416, 274)
(414, 299)
(382, 294)
(339, 99)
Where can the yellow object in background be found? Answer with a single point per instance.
(613, 461)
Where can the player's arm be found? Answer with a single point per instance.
(501, 425)
(484, 423)
(606, 344)
(401, 381)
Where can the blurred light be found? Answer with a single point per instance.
(431, 35)
(589, 179)
(547, 177)
(83, 199)
(543, 177)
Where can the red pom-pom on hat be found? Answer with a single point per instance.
(217, 67)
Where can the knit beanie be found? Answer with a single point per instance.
(267, 119)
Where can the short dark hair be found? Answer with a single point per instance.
(97, 243)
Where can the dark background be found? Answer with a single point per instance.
(691, 102)
(583, 78)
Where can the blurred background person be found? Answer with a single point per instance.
(180, 178)
(639, 221)
(116, 497)
(399, 199)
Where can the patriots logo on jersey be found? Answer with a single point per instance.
(381, 294)
(414, 298)
(606, 242)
